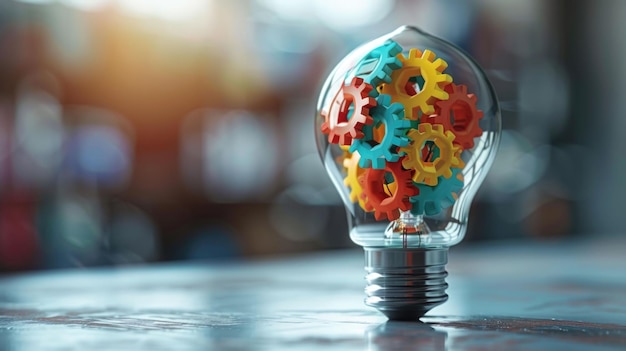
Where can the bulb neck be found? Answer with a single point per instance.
(405, 283)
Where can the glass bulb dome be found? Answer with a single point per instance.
(431, 81)
(407, 126)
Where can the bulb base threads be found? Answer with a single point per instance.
(404, 284)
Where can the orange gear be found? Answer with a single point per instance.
(422, 64)
(427, 171)
(354, 172)
(338, 124)
(462, 107)
(375, 196)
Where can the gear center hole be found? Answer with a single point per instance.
(429, 153)
(389, 184)
(414, 85)
(460, 116)
(346, 110)
(378, 134)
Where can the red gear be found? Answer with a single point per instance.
(377, 200)
(463, 107)
(339, 128)
(410, 88)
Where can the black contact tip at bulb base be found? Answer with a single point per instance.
(404, 284)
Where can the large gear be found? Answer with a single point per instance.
(428, 171)
(342, 127)
(434, 199)
(377, 200)
(422, 64)
(378, 148)
(458, 114)
(376, 67)
(354, 172)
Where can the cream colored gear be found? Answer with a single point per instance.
(449, 154)
(422, 64)
(353, 170)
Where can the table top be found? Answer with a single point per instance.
(505, 296)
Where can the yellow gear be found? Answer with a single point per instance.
(353, 170)
(345, 153)
(390, 188)
(427, 172)
(422, 64)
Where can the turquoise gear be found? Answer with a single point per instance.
(431, 200)
(375, 155)
(376, 67)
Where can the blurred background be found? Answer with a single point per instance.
(139, 131)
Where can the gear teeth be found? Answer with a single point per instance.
(440, 65)
(426, 108)
(344, 132)
(431, 69)
(428, 55)
(449, 135)
(376, 155)
(383, 204)
(444, 78)
(449, 154)
(431, 200)
(386, 61)
(470, 116)
(351, 164)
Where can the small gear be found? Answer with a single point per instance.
(354, 172)
(376, 67)
(459, 115)
(343, 123)
(428, 170)
(434, 199)
(376, 199)
(376, 147)
(422, 64)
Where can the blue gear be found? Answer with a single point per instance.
(373, 154)
(376, 67)
(431, 200)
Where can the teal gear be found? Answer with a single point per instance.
(376, 67)
(431, 200)
(373, 154)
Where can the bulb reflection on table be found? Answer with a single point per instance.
(397, 335)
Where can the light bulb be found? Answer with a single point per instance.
(407, 126)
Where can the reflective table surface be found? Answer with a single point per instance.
(509, 296)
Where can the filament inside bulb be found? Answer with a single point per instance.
(407, 228)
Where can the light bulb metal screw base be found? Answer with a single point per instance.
(405, 283)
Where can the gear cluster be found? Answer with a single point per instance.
(402, 125)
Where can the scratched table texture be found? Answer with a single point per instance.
(510, 296)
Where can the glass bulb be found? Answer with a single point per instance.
(407, 126)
